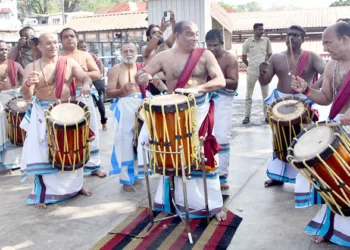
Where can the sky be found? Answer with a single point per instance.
(266, 4)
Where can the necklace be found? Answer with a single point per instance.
(50, 89)
(190, 81)
(3, 78)
(289, 73)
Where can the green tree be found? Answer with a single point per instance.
(340, 3)
(251, 6)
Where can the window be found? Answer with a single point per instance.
(56, 21)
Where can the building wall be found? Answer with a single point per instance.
(197, 11)
(10, 19)
(227, 36)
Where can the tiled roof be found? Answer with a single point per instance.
(114, 21)
(306, 18)
(221, 15)
(5, 10)
(120, 7)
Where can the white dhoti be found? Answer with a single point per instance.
(195, 190)
(95, 159)
(50, 184)
(327, 224)
(10, 155)
(123, 159)
(222, 129)
(281, 170)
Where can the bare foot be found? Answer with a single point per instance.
(224, 186)
(129, 188)
(271, 183)
(317, 239)
(8, 172)
(41, 206)
(85, 192)
(99, 173)
(221, 216)
(104, 127)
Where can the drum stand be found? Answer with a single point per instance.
(183, 216)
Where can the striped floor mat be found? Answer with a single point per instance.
(170, 233)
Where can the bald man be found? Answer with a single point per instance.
(69, 38)
(336, 91)
(189, 80)
(51, 185)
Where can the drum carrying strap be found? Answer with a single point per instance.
(341, 98)
(61, 68)
(12, 72)
(211, 146)
(191, 63)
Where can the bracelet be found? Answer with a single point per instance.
(164, 92)
(307, 90)
(25, 84)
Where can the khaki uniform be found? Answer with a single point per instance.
(257, 51)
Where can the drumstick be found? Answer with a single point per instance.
(129, 72)
(292, 57)
(330, 124)
(34, 58)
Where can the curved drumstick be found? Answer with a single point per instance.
(33, 58)
(292, 57)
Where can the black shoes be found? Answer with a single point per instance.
(246, 120)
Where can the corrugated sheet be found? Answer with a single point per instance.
(115, 21)
(307, 18)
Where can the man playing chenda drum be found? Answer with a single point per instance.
(11, 74)
(122, 86)
(335, 89)
(308, 64)
(69, 40)
(51, 80)
(200, 64)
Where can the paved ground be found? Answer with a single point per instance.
(269, 219)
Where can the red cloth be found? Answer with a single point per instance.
(341, 98)
(211, 146)
(142, 87)
(191, 63)
(302, 62)
(61, 68)
(12, 72)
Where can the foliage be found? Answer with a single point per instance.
(27, 7)
(250, 6)
(340, 3)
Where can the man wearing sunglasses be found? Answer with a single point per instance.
(307, 65)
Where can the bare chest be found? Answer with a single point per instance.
(125, 76)
(176, 64)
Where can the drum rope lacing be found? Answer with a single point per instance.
(279, 131)
(53, 143)
(312, 176)
(190, 128)
(13, 124)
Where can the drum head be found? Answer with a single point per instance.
(18, 105)
(67, 113)
(172, 99)
(287, 110)
(313, 142)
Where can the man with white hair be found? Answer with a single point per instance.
(122, 86)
